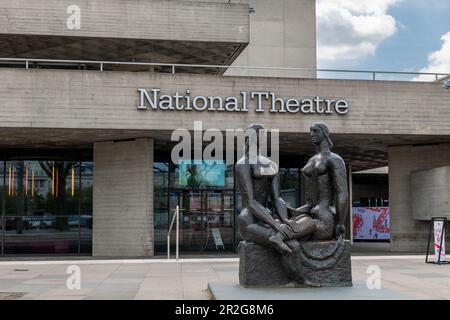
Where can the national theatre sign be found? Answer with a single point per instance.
(152, 99)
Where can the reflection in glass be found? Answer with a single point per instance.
(160, 205)
(289, 180)
(206, 222)
(42, 208)
(206, 210)
(85, 218)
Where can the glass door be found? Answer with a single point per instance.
(218, 235)
(206, 220)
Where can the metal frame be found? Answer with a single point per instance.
(444, 230)
(173, 66)
(176, 217)
(204, 193)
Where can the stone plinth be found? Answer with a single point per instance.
(313, 263)
(260, 267)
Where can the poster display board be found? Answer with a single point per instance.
(371, 223)
(199, 174)
(217, 238)
(439, 240)
(438, 229)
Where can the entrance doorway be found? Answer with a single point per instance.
(206, 219)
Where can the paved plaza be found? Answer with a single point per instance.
(404, 277)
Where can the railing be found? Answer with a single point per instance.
(374, 74)
(176, 217)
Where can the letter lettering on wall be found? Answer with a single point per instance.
(341, 107)
(307, 106)
(293, 105)
(260, 102)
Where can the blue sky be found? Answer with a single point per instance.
(396, 35)
(421, 26)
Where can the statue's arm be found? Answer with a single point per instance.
(280, 204)
(339, 180)
(245, 185)
(305, 209)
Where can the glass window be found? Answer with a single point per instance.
(44, 210)
(160, 205)
(2, 177)
(214, 176)
(85, 218)
(206, 209)
(289, 180)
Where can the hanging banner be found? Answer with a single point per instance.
(438, 236)
(371, 223)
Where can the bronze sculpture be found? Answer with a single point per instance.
(259, 183)
(288, 229)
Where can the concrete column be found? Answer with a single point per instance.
(123, 198)
(407, 233)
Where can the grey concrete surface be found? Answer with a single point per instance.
(359, 291)
(402, 277)
(192, 21)
(120, 30)
(283, 34)
(371, 248)
(69, 99)
(408, 233)
(123, 198)
(430, 193)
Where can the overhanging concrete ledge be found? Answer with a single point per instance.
(156, 19)
(123, 30)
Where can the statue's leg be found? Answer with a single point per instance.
(277, 242)
(324, 225)
(260, 234)
(304, 227)
(252, 231)
(299, 228)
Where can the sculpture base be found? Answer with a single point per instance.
(265, 267)
(359, 291)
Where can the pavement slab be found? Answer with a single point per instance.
(401, 277)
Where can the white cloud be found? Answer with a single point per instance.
(438, 61)
(352, 29)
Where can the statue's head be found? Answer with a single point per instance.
(252, 136)
(319, 133)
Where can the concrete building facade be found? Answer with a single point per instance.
(86, 106)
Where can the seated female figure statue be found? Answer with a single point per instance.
(323, 216)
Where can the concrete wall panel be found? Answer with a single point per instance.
(108, 100)
(123, 198)
(430, 193)
(282, 34)
(408, 234)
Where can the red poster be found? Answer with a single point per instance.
(371, 223)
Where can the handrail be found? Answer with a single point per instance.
(177, 238)
(173, 67)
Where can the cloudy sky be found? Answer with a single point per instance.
(399, 35)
